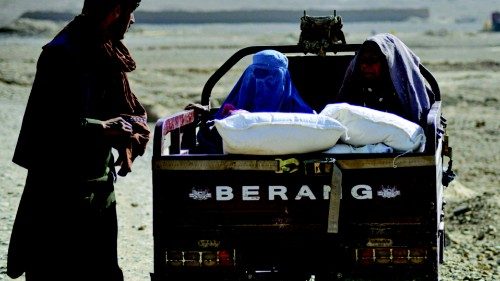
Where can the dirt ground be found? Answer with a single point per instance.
(470, 91)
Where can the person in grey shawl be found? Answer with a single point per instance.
(385, 75)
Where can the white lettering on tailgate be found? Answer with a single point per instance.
(305, 191)
(362, 192)
(253, 193)
(277, 190)
(250, 193)
(223, 193)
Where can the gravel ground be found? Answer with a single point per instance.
(469, 82)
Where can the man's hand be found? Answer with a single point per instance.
(117, 127)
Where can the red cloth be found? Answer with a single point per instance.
(129, 107)
(133, 146)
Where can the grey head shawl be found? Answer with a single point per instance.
(403, 66)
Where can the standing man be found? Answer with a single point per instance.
(80, 108)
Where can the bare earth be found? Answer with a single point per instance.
(171, 74)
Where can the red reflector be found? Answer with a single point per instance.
(365, 255)
(177, 258)
(224, 257)
(385, 255)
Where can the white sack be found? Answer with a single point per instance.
(274, 133)
(370, 126)
(342, 148)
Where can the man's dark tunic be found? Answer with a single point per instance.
(66, 225)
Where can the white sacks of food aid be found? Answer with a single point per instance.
(369, 126)
(275, 133)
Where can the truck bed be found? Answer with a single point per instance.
(290, 217)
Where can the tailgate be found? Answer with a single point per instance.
(278, 212)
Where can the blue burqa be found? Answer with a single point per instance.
(403, 66)
(265, 86)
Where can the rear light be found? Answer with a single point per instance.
(226, 258)
(384, 255)
(192, 258)
(175, 258)
(209, 258)
(390, 255)
(180, 258)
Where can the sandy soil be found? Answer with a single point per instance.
(466, 66)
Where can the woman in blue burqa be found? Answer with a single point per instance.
(265, 86)
(385, 75)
